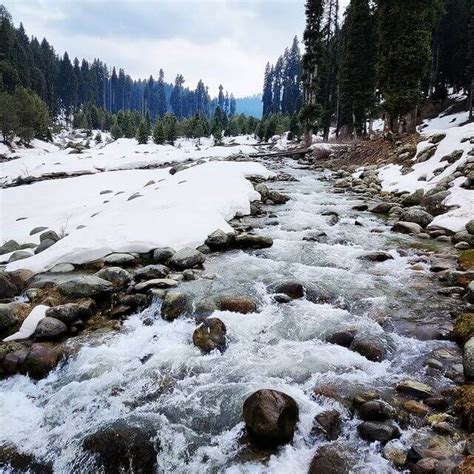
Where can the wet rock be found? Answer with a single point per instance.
(464, 406)
(329, 423)
(10, 246)
(44, 244)
(463, 327)
(462, 246)
(277, 198)
(163, 255)
(49, 235)
(360, 207)
(407, 228)
(383, 207)
(376, 256)
(378, 431)
(414, 388)
(444, 428)
(341, 338)
(119, 259)
(122, 447)
(263, 190)
(293, 289)
(174, 305)
(470, 227)
(70, 313)
(187, 258)
(315, 236)
(396, 455)
(151, 272)
(19, 255)
(253, 241)
(417, 215)
(15, 461)
(7, 287)
(413, 199)
(217, 240)
(161, 283)
(84, 286)
(270, 417)
(20, 278)
(49, 328)
(433, 203)
(438, 403)
(116, 275)
(376, 410)
(281, 298)
(8, 316)
(237, 304)
(416, 408)
(210, 335)
(332, 459)
(470, 292)
(468, 359)
(369, 348)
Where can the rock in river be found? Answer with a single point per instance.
(70, 313)
(414, 388)
(85, 285)
(174, 305)
(376, 256)
(270, 417)
(378, 431)
(331, 459)
(187, 258)
(116, 275)
(210, 335)
(49, 328)
(150, 272)
(376, 410)
(293, 289)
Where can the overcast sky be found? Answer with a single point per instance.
(218, 41)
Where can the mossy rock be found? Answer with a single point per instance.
(464, 406)
(466, 260)
(464, 327)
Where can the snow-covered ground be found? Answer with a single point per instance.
(44, 158)
(129, 210)
(423, 175)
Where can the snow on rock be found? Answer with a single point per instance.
(443, 122)
(180, 210)
(124, 153)
(423, 175)
(29, 324)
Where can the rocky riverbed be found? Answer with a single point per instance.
(325, 334)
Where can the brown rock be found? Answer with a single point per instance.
(210, 335)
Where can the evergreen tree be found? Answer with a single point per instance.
(8, 117)
(158, 133)
(220, 97)
(313, 40)
(116, 131)
(277, 86)
(404, 58)
(176, 99)
(216, 131)
(295, 127)
(233, 105)
(267, 96)
(357, 72)
(170, 128)
(142, 133)
(161, 94)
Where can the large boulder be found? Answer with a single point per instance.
(8, 316)
(162, 255)
(328, 422)
(378, 431)
(407, 228)
(293, 289)
(49, 328)
(413, 199)
(270, 417)
(84, 286)
(376, 410)
(331, 459)
(19, 255)
(218, 240)
(470, 227)
(116, 275)
(151, 272)
(70, 313)
(44, 244)
(341, 338)
(237, 304)
(369, 348)
(210, 335)
(119, 259)
(49, 235)
(253, 241)
(7, 287)
(417, 215)
(187, 258)
(433, 202)
(122, 447)
(174, 305)
(10, 246)
(15, 461)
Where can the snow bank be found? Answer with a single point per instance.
(29, 324)
(179, 211)
(125, 153)
(423, 175)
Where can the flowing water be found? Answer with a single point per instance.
(153, 375)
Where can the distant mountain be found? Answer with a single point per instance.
(251, 105)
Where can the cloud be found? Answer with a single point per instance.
(218, 41)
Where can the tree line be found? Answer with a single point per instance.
(65, 85)
(387, 58)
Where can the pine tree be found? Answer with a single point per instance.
(216, 131)
(142, 133)
(176, 99)
(295, 127)
(170, 128)
(277, 86)
(233, 105)
(357, 73)
(313, 40)
(267, 96)
(8, 117)
(116, 131)
(158, 133)
(404, 58)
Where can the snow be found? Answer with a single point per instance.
(29, 324)
(423, 176)
(180, 211)
(444, 122)
(123, 153)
